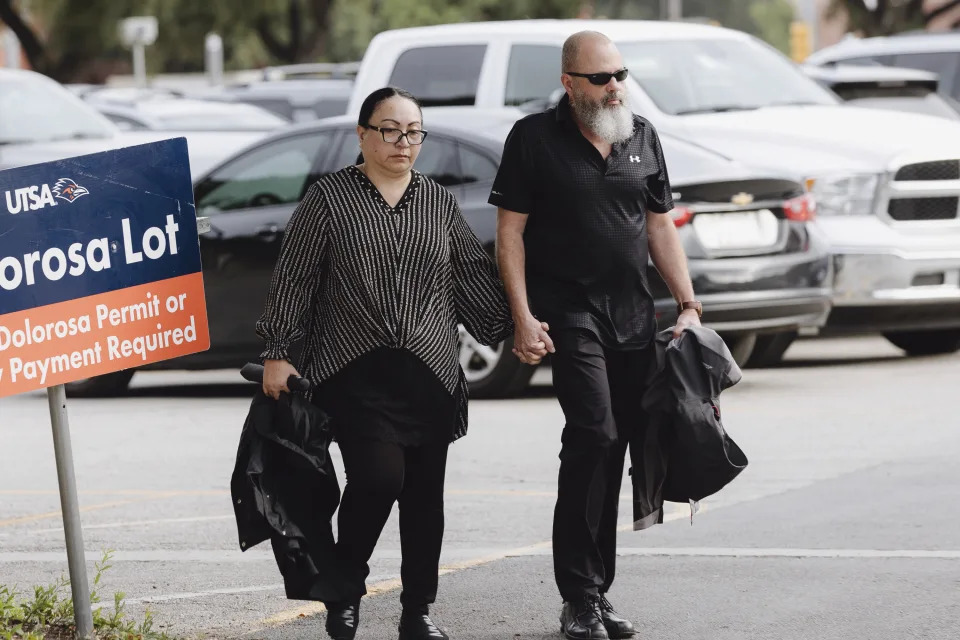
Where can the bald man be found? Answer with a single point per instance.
(582, 196)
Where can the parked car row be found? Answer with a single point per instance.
(799, 214)
(41, 121)
(886, 184)
(874, 87)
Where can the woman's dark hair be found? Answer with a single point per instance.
(372, 101)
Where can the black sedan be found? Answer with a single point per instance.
(758, 269)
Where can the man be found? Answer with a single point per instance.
(582, 193)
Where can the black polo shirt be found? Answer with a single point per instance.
(586, 236)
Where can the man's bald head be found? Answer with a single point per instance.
(577, 43)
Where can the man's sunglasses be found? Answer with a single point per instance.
(601, 79)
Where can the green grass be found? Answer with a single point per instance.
(48, 613)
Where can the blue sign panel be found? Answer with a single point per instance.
(96, 223)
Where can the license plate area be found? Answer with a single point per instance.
(738, 230)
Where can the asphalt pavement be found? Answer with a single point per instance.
(845, 524)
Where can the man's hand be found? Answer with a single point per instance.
(689, 318)
(275, 376)
(530, 340)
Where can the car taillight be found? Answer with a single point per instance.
(681, 216)
(801, 209)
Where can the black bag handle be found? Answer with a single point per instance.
(254, 373)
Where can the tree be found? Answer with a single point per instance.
(77, 41)
(772, 22)
(766, 19)
(29, 41)
(355, 22)
(884, 18)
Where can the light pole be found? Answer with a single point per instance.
(671, 9)
(213, 58)
(11, 49)
(137, 33)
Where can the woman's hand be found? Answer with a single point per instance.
(531, 342)
(275, 376)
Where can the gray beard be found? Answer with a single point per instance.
(611, 124)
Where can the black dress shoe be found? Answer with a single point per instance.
(342, 620)
(581, 620)
(617, 628)
(419, 627)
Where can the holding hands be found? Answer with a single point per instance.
(531, 341)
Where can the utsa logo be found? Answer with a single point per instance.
(38, 197)
(67, 189)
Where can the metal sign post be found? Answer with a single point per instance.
(96, 276)
(70, 508)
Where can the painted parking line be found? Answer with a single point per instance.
(867, 554)
(160, 493)
(145, 495)
(211, 556)
(120, 525)
(190, 595)
(37, 517)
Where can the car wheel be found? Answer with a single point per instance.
(741, 346)
(769, 349)
(110, 384)
(492, 372)
(926, 343)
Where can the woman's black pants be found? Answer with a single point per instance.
(379, 474)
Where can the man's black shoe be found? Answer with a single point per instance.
(419, 627)
(581, 620)
(617, 628)
(342, 620)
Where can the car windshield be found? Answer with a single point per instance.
(33, 110)
(702, 76)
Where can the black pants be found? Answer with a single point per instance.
(599, 391)
(379, 474)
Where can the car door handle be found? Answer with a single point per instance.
(269, 232)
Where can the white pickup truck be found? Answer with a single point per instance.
(887, 184)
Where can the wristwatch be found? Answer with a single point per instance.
(690, 304)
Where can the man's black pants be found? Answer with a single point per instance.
(599, 391)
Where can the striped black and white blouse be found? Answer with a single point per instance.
(356, 274)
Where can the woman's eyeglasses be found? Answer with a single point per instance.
(392, 135)
(601, 79)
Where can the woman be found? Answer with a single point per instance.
(377, 268)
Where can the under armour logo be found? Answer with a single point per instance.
(634, 158)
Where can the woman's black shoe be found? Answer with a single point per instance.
(617, 626)
(419, 627)
(342, 620)
(581, 620)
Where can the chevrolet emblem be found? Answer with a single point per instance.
(742, 199)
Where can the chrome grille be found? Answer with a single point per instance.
(937, 170)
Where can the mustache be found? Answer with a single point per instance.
(615, 95)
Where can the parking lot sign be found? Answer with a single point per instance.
(99, 272)
(99, 266)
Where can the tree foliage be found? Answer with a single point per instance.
(767, 19)
(79, 42)
(882, 17)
